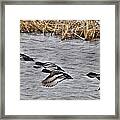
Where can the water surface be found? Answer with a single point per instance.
(76, 57)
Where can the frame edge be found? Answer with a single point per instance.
(2, 61)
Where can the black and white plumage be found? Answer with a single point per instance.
(98, 89)
(93, 75)
(48, 65)
(25, 57)
(54, 78)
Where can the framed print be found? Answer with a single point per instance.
(59, 60)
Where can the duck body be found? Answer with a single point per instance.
(56, 73)
(93, 75)
(25, 57)
(48, 65)
(54, 78)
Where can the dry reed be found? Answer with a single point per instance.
(65, 29)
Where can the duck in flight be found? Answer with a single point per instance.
(56, 73)
(25, 57)
(54, 78)
(48, 65)
(93, 75)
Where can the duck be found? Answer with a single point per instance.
(48, 65)
(25, 57)
(54, 78)
(93, 75)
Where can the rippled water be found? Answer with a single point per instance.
(76, 57)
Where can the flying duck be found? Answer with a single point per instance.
(48, 65)
(93, 75)
(54, 78)
(25, 57)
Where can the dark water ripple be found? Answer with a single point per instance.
(76, 57)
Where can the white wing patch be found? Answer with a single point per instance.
(51, 79)
(54, 82)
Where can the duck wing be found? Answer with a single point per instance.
(52, 72)
(52, 77)
(23, 55)
(52, 66)
(53, 82)
(48, 65)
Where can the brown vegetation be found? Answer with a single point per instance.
(65, 29)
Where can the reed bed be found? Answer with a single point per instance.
(65, 29)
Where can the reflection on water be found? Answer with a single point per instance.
(76, 57)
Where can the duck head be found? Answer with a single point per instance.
(67, 76)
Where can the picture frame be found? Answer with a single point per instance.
(2, 60)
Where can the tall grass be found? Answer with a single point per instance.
(65, 29)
